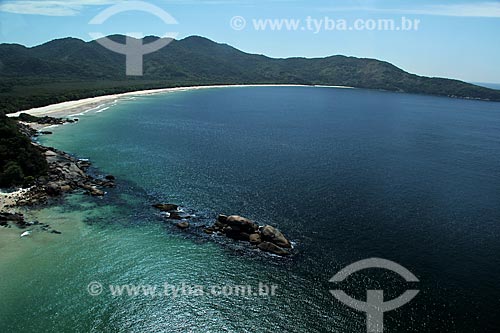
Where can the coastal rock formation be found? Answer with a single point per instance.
(59, 172)
(62, 173)
(265, 238)
(65, 174)
(45, 120)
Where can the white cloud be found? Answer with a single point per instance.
(73, 7)
(50, 7)
(481, 9)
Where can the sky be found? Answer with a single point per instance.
(453, 39)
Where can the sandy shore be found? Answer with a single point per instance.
(73, 108)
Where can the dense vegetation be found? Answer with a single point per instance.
(69, 68)
(20, 161)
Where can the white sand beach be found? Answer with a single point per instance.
(70, 108)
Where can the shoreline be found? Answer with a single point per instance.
(76, 107)
(68, 174)
(9, 198)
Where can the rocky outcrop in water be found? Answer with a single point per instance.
(172, 212)
(265, 238)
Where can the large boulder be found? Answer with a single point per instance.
(273, 235)
(242, 224)
(273, 248)
(53, 189)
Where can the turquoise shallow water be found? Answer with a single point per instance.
(347, 174)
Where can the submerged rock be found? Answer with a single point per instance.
(11, 217)
(273, 248)
(183, 225)
(175, 216)
(166, 207)
(96, 192)
(208, 231)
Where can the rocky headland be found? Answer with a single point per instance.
(64, 174)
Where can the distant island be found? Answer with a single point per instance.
(68, 69)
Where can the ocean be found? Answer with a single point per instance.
(347, 174)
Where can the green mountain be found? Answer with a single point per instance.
(70, 68)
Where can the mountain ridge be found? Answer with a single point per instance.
(70, 68)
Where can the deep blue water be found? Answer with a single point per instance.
(347, 174)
